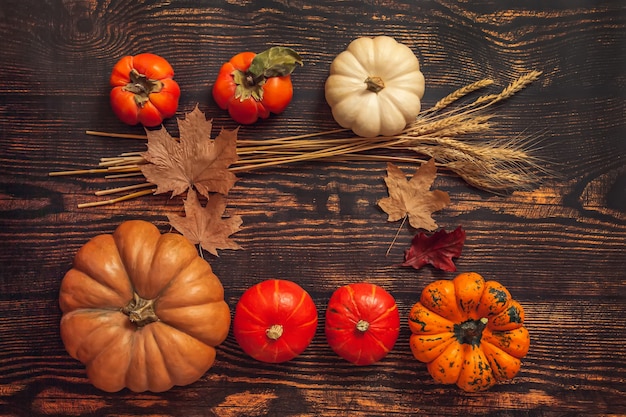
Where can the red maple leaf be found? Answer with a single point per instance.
(436, 250)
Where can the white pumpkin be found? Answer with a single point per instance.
(375, 87)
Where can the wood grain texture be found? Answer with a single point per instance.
(559, 248)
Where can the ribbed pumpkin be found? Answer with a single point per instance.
(362, 322)
(469, 332)
(142, 310)
(375, 86)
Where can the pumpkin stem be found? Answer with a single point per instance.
(140, 311)
(275, 331)
(362, 326)
(374, 84)
(470, 331)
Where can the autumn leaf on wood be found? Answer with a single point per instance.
(205, 225)
(413, 197)
(193, 161)
(436, 250)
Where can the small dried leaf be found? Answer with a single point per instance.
(436, 250)
(205, 225)
(193, 161)
(413, 198)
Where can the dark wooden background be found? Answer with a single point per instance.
(560, 248)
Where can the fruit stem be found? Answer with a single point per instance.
(140, 311)
(142, 86)
(275, 331)
(362, 326)
(374, 84)
(470, 331)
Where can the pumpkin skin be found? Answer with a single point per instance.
(362, 323)
(142, 310)
(375, 87)
(275, 321)
(468, 332)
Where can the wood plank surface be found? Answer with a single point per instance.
(559, 248)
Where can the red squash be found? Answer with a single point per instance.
(362, 323)
(275, 320)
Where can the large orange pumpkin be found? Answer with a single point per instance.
(142, 310)
(469, 332)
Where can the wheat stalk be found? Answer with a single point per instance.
(460, 93)
(496, 166)
(513, 88)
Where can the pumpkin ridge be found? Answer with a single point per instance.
(373, 336)
(384, 315)
(506, 365)
(72, 297)
(402, 114)
(181, 264)
(294, 310)
(252, 316)
(427, 348)
(494, 299)
(411, 82)
(100, 244)
(154, 354)
(131, 239)
(285, 346)
(424, 318)
(397, 99)
(134, 349)
(396, 57)
(69, 322)
(172, 281)
(168, 366)
(348, 313)
(308, 323)
(108, 370)
(515, 342)
(211, 336)
(113, 341)
(476, 373)
(358, 54)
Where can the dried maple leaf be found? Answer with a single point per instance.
(193, 161)
(413, 198)
(205, 225)
(436, 250)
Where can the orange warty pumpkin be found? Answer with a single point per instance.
(469, 332)
(142, 310)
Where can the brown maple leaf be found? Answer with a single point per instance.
(193, 161)
(436, 250)
(205, 225)
(413, 198)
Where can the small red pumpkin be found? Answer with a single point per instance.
(362, 323)
(275, 320)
